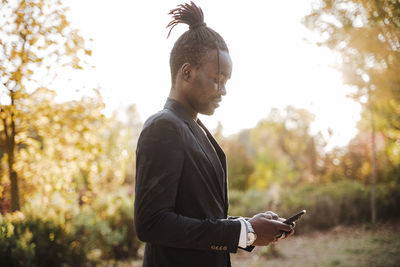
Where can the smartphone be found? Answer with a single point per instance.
(295, 217)
(291, 220)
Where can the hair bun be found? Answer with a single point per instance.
(189, 14)
(197, 25)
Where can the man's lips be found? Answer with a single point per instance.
(216, 101)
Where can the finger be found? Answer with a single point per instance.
(283, 226)
(281, 235)
(277, 238)
(262, 215)
(290, 233)
(273, 214)
(265, 216)
(268, 216)
(293, 224)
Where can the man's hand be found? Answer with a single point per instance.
(268, 227)
(276, 217)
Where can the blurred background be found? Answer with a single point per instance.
(311, 121)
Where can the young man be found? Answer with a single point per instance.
(181, 200)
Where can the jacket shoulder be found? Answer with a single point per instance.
(164, 119)
(164, 115)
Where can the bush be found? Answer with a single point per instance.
(35, 242)
(106, 229)
(327, 205)
(248, 203)
(63, 234)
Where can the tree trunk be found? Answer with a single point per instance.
(373, 170)
(14, 183)
(10, 145)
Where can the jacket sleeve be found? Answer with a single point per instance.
(159, 164)
(248, 248)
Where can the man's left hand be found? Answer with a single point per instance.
(275, 216)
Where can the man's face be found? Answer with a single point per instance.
(204, 94)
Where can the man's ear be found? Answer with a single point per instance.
(186, 71)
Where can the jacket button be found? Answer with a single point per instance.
(225, 248)
(212, 247)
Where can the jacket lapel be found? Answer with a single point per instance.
(217, 150)
(211, 149)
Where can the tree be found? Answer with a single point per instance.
(352, 162)
(239, 160)
(63, 146)
(279, 150)
(366, 35)
(35, 38)
(119, 156)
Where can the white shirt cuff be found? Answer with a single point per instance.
(243, 234)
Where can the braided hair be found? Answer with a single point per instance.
(193, 45)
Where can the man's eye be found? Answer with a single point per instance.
(220, 81)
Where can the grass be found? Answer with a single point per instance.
(340, 246)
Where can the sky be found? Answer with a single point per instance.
(273, 65)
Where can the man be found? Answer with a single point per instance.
(181, 200)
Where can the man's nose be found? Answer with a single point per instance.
(222, 90)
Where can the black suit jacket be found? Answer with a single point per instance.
(181, 199)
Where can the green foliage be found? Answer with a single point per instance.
(63, 145)
(327, 205)
(75, 167)
(35, 37)
(239, 163)
(366, 37)
(249, 203)
(76, 235)
(106, 228)
(280, 149)
(36, 242)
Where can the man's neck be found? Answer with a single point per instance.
(188, 108)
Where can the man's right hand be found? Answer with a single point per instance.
(267, 228)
